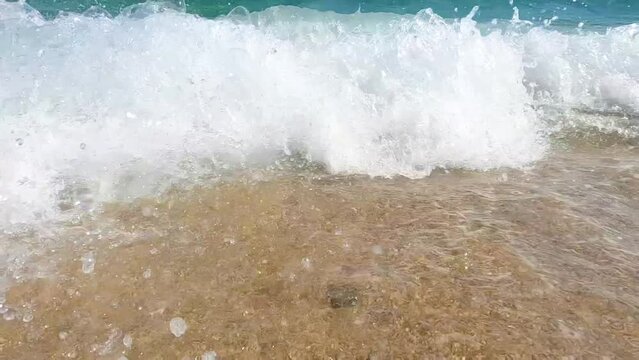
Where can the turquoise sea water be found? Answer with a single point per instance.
(569, 12)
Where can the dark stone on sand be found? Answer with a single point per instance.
(342, 296)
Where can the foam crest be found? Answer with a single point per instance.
(96, 108)
(586, 70)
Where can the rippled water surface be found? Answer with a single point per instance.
(541, 261)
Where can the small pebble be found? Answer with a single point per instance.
(342, 296)
(62, 335)
(9, 315)
(178, 326)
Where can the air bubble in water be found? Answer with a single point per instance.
(178, 326)
(306, 263)
(9, 315)
(209, 355)
(127, 340)
(27, 316)
(88, 262)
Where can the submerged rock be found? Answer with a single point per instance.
(342, 296)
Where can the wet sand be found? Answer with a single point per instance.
(304, 265)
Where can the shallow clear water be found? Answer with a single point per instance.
(330, 179)
(298, 264)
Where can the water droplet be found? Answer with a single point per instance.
(83, 146)
(177, 326)
(19, 141)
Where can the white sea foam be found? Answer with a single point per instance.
(95, 108)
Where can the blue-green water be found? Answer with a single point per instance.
(569, 12)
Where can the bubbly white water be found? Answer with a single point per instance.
(95, 108)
